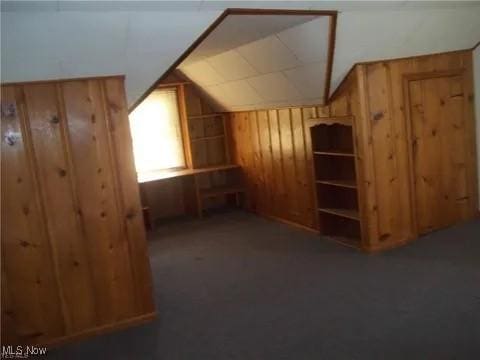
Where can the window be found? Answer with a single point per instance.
(156, 132)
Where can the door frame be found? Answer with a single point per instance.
(407, 78)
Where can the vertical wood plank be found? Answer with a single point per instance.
(98, 192)
(56, 180)
(257, 169)
(31, 306)
(383, 151)
(266, 156)
(121, 148)
(365, 149)
(289, 168)
(304, 194)
(309, 113)
(470, 133)
(401, 138)
(280, 198)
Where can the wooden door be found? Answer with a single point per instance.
(74, 257)
(439, 149)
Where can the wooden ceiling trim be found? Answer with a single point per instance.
(331, 53)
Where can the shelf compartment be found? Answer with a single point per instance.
(340, 168)
(332, 139)
(349, 184)
(333, 197)
(346, 213)
(341, 229)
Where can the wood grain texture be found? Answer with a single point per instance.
(440, 149)
(25, 241)
(281, 185)
(374, 95)
(73, 246)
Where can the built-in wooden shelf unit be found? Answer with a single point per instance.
(207, 138)
(335, 179)
(209, 180)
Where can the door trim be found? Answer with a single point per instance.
(407, 78)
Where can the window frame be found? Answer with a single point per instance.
(182, 119)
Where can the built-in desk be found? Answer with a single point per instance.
(162, 175)
(193, 191)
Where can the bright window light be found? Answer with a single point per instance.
(156, 132)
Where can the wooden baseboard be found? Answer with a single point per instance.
(104, 329)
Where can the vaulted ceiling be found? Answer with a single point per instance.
(262, 61)
(142, 39)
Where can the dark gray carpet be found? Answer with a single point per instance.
(236, 286)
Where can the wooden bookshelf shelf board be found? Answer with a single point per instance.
(334, 153)
(346, 213)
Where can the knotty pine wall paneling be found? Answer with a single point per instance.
(274, 149)
(277, 169)
(388, 141)
(74, 256)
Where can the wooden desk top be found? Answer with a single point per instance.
(165, 174)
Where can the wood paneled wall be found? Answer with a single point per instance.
(388, 140)
(273, 148)
(74, 257)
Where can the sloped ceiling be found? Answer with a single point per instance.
(142, 39)
(237, 30)
(281, 60)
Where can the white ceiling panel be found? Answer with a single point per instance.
(308, 41)
(274, 87)
(240, 93)
(284, 67)
(269, 54)
(203, 73)
(236, 30)
(308, 79)
(232, 66)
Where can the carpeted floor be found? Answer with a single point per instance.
(236, 286)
